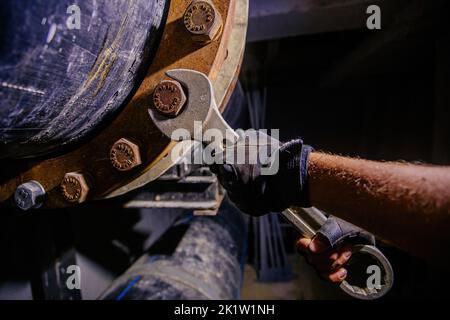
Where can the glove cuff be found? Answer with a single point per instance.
(293, 175)
(336, 230)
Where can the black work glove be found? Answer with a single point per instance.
(272, 183)
(335, 231)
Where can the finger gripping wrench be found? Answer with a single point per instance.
(368, 258)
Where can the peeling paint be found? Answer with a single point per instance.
(51, 33)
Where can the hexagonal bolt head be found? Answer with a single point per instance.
(29, 195)
(74, 187)
(203, 21)
(125, 155)
(169, 97)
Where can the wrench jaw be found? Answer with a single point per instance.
(217, 125)
(197, 84)
(200, 89)
(200, 107)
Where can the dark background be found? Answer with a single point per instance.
(375, 94)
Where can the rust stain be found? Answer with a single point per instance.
(106, 60)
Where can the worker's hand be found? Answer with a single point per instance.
(275, 181)
(330, 249)
(328, 262)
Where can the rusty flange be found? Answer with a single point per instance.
(223, 83)
(176, 50)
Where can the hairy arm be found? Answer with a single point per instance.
(405, 204)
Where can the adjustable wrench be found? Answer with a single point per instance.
(201, 109)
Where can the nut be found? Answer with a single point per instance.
(125, 155)
(203, 21)
(169, 98)
(74, 187)
(29, 195)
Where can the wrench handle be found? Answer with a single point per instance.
(301, 221)
(300, 224)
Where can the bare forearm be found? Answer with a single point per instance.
(407, 205)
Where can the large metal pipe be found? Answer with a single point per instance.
(206, 264)
(68, 66)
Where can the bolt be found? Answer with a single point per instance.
(125, 155)
(29, 195)
(169, 97)
(203, 21)
(74, 187)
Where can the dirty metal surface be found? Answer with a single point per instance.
(59, 84)
(176, 50)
